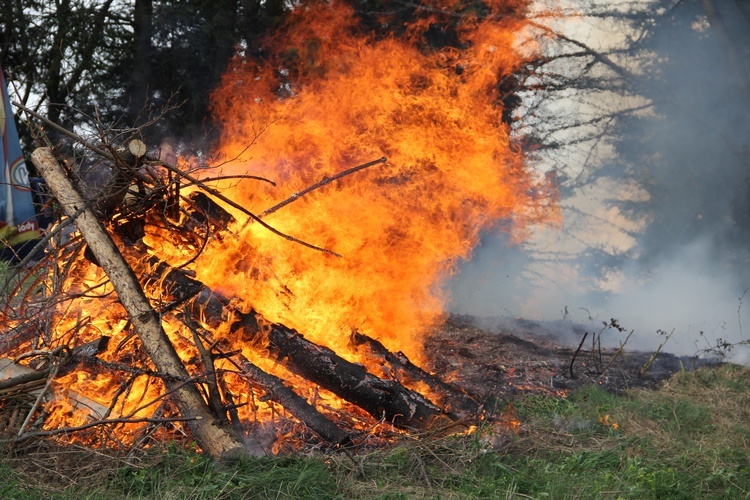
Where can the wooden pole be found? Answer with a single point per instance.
(214, 439)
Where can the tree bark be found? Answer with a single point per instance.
(217, 441)
(142, 33)
(383, 399)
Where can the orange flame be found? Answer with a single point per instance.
(330, 97)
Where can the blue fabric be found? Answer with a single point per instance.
(18, 221)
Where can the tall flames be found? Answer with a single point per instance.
(335, 88)
(329, 95)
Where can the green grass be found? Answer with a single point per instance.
(9, 482)
(18, 285)
(689, 439)
(189, 475)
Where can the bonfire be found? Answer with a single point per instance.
(277, 292)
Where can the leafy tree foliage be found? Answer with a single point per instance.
(69, 52)
(123, 61)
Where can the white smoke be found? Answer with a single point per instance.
(651, 233)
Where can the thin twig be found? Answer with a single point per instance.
(319, 184)
(62, 354)
(647, 366)
(124, 387)
(575, 354)
(616, 355)
(235, 177)
(67, 132)
(65, 430)
(599, 56)
(214, 395)
(242, 209)
(174, 169)
(43, 241)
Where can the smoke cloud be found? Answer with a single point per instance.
(656, 229)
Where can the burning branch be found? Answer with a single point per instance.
(234, 204)
(217, 441)
(455, 402)
(272, 386)
(380, 398)
(317, 185)
(180, 174)
(56, 359)
(98, 423)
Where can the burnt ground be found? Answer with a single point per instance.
(496, 363)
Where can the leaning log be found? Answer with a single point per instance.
(275, 390)
(383, 399)
(217, 441)
(454, 401)
(202, 302)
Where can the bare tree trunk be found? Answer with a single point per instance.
(217, 441)
(142, 32)
(742, 79)
(744, 6)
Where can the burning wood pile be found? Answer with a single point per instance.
(198, 388)
(176, 308)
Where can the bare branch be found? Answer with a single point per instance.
(242, 209)
(320, 184)
(110, 421)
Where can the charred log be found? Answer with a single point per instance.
(456, 403)
(383, 399)
(204, 211)
(275, 390)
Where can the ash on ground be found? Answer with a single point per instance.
(497, 362)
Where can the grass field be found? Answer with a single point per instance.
(688, 439)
